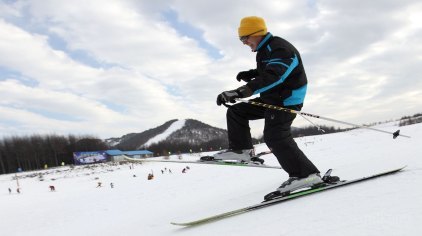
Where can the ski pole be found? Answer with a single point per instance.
(395, 134)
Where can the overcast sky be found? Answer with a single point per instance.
(109, 68)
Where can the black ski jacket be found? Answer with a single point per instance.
(280, 77)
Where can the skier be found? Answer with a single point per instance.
(150, 176)
(280, 80)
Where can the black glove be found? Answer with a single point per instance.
(227, 96)
(231, 95)
(246, 75)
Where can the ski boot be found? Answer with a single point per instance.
(244, 155)
(293, 184)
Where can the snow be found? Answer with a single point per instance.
(388, 205)
(172, 128)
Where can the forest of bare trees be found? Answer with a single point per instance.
(409, 120)
(37, 151)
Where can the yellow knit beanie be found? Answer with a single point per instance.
(252, 25)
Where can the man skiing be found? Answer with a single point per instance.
(280, 80)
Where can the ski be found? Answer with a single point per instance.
(225, 163)
(291, 196)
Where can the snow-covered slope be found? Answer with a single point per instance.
(136, 206)
(173, 127)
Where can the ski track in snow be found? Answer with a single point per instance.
(172, 128)
(136, 206)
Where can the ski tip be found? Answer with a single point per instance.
(398, 169)
(180, 224)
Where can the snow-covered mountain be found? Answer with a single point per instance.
(187, 132)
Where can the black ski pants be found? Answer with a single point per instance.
(277, 136)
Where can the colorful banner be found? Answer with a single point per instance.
(81, 158)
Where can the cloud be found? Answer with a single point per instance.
(114, 67)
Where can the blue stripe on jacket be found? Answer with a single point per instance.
(297, 97)
(263, 41)
(290, 68)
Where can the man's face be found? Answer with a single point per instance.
(252, 42)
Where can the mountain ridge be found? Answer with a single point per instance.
(193, 134)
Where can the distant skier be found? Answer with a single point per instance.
(280, 80)
(18, 190)
(184, 170)
(99, 185)
(111, 185)
(150, 176)
(10, 190)
(52, 188)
